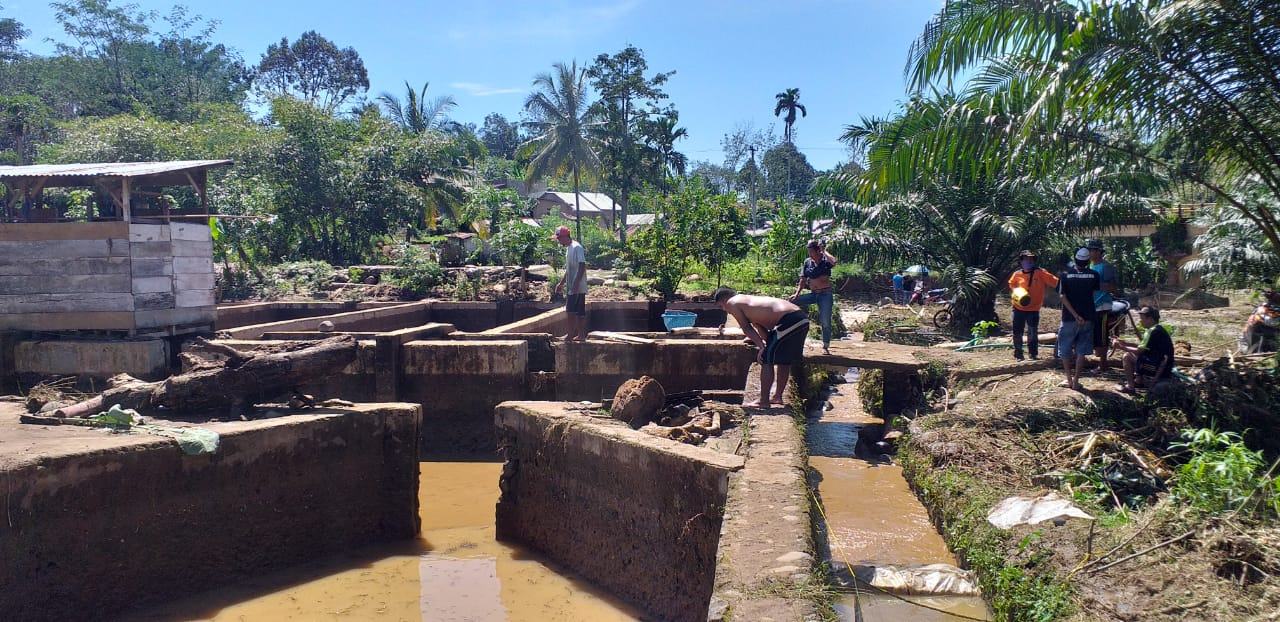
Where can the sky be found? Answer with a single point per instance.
(731, 57)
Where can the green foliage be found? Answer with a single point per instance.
(312, 69)
(981, 329)
(466, 288)
(787, 173)
(784, 244)
(1222, 474)
(871, 391)
(693, 225)
(416, 273)
(521, 244)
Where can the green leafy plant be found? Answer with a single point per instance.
(1221, 473)
(981, 330)
(415, 272)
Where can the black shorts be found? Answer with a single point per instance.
(789, 348)
(1149, 366)
(1101, 330)
(576, 304)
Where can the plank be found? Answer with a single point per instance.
(63, 231)
(152, 266)
(82, 320)
(187, 248)
(151, 249)
(63, 303)
(175, 317)
(148, 233)
(193, 265)
(65, 284)
(65, 249)
(194, 298)
(157, 300)
(612, 336)
(185, 282)
(153, 284)
(191, 231)
(26, 266)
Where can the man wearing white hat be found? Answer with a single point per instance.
(1076, 284)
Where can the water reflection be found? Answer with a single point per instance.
(457, 572)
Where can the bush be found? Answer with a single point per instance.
(1222, 473)
(415, 272)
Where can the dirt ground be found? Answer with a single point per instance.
(1018, 433)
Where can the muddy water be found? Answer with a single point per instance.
(872, 518)
(457, 572)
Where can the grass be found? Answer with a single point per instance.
(1020, 588)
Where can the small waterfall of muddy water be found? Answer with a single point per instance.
(870, 517)
(455, 572)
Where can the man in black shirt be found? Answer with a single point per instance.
(1076, 284)
(1152, 357)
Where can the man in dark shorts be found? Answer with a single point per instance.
(574, 284)
(1152, 358)
(786, 325)
(1075, 335)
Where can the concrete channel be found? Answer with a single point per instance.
(386, 510)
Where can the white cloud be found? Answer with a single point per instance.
(483, 90)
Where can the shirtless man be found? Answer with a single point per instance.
(786, 326)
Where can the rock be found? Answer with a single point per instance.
(793, 557)
(693, 278)
(51, 406)
(540, 272)
(594, 280)
(638, 400)
(325, 326)
(610, 283)
(341, 277)
(370, 280)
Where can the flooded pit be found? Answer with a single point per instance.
(456, 572)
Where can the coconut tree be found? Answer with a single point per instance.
(789, 100)
(417, 114)
(1202, 73)
(561, 119)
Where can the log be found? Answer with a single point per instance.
(255, 377)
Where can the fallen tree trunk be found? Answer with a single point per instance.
(233, 385)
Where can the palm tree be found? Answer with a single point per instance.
(561, 121)
(916, 202)
(417, 114)
(789, 100)
(1200, 74)
(662, 134)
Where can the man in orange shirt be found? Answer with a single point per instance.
(1027, 285)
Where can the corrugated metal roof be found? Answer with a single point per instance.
(107, 169)
(591, 201)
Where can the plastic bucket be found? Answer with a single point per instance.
(678, 319)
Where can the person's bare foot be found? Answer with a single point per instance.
(776, 401)
(751, 404)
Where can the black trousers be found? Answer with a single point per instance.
(1029, 321)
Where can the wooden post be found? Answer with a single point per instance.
(124, 199)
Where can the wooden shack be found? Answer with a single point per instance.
(134, 263)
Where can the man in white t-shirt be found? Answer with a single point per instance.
(575, 276)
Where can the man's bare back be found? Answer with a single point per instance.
(759, 310)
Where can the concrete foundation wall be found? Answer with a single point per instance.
(147, 359)
(588, 371)
(238, 315)
(459, 384)
(381, 319)
(119, 521)
(636, 514)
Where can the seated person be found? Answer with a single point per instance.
(1152, 358)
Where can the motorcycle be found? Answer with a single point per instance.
(931, 297)
(1262, 330)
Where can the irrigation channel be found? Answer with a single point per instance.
(869, 519)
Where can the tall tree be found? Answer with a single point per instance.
(627, 97)
(1108, 74)
(312, 69)
(500, 136)
(561, 120)
(789, 100)
(787, 173)
(104, 34)
(661, 134)
(418, 114)
(11, 32)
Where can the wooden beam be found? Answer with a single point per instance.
(124, 202)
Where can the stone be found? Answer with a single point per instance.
(794, 557)
(51, 406)
(594, 281)
(638, 400)
(325, 326)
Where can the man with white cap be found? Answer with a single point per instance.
(1076, 284)
(575, 277)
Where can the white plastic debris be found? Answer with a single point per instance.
(1032, 510)
(933, 579)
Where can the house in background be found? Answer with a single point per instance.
(636, 222)
(593, 205)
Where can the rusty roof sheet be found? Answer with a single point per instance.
(107, 169)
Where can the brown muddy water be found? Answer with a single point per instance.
(456, 572)
(872, 518)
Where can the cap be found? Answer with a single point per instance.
(1150, 312)
(1082, 254)
(563, 230)
(1093, 244)
(1026, 253)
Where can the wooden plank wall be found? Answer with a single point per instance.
(65, 276)
(106, 276)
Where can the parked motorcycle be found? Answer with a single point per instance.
(931, 297)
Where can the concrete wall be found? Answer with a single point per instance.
(636, 514)
(238, 315)
(458, 385)
(139, 278)
(113, 522)
(381, 319)
(588, 371)
(147, 359)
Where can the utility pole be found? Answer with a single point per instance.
(751, 193)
